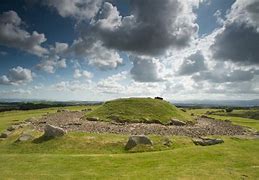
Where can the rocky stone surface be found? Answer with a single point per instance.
(206, 141)
(25, 137)
(12, 128)
(137, 140)
(5, 134)
(167, 142)
(93, 119)
(74, 121)
(51, 131)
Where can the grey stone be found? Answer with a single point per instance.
(5, 134)
(12, 128)
(206, 141)
(167, 142)
(176, 122)
(25, 137)
(31, 119)
(63, 110)
(204, 116)
(136, 140)
(53, 131)
(92, 118)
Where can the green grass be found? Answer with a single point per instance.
(247, 113)
(242, 121)
(102, 156)
(9, 117)
(139, 110)
(235, 159)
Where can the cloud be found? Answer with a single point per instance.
(96, 54)
(12, 35)
(53, 61)
(151, 28)
(219, 74)
(78, 9)
(72, 86)
(51, 64)
(85, 74)
(112, 84)
(146, 69)
(238, 39)
(17, 76)
(193, 64)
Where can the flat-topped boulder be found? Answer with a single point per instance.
(137, 140)
(204, 141)
(25, 137)
(176, 122)
(51, 131)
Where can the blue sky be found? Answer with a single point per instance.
(99, 50)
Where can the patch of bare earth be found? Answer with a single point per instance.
(74, 121)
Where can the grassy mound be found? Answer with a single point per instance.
(138, 110)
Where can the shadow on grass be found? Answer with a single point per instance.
(42, 139)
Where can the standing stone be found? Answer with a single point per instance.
(53, 131)
(136, 140)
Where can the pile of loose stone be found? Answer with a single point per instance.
(57, 124)
(75, 121)
(17, 125)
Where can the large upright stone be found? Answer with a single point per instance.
(136, 140)
(53, 131)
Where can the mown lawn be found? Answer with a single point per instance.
(102, 156)
(235, 159)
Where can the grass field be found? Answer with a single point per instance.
(242, 121)
(139, 110)
(102, 156)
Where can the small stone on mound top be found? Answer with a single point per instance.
(137, 140)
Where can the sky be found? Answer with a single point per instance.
(95, 50)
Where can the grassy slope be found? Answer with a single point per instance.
(139, 109)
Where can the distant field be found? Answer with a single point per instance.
(239, 117)
(102, 156)
(251, 113)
